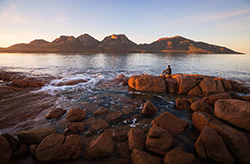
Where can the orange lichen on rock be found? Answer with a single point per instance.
(113, 36)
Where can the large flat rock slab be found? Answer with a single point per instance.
(235, 112)
(147, 83)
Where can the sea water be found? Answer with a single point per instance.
(228, 66)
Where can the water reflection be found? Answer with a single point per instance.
(227, 66)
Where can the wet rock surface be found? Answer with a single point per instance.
(34, 136)
(60, 147)
(23, 107)
(55, 113)
(5, 151)
(71, 82)
(114, 128)
(114, 117)
(98, 125)
(103, 146)
(14, 143)
(74, 128)
(101, 111)
(22, 150)
(76, 114)
(141, 157)
(178, 156)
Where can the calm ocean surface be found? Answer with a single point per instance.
(235, 67)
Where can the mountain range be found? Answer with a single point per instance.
(117, 43)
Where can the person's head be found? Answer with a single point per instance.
(168, 66)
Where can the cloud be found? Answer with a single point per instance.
(10, 15)
(194, 20)
(241, 24)
(60, 20)
(219, 16)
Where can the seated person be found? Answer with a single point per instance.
(167, 71)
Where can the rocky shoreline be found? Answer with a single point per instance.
(92, 134)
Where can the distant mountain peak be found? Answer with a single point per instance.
(170, 38)
(117, 42)
(38, 42)
(87, 40)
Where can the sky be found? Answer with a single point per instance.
(220, 22)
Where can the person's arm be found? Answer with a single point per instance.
(164, 71)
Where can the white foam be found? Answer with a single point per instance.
(134, 124)
(92, 80)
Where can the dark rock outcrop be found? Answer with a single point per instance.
(34, 136)
(183, 103)
(14, 144)
(158, 140)
(186, 83)
(213, 98)
(98, 125)
(136, 139)
(141, 157)
(235, 112)
(170, 123)
(200, 120)
(76, 114)
(71, 82)
(32, 149)
(55, 113)
(101, 147)
(171, 85)
(27, 83)
(201, 105)
(22, 150)
(178, 156)
(114, 117)
(211, 146)
(5, 151)
(57, 147)
(235, 141)
(196, 91)
(149, 109)
(74, 128)
(102, 110)
(211, 86)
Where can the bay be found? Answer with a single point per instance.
(236, 67)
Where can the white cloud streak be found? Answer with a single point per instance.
(194, 20)
(60, 20)
(10, 15)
